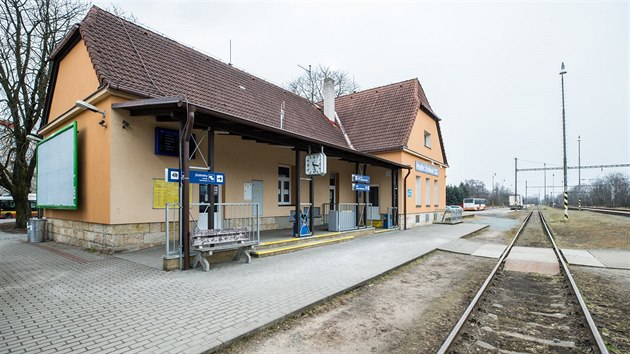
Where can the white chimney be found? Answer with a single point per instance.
(329, 99)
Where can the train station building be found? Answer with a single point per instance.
(377, 154)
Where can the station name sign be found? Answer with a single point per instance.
(196, 177)
(428, 169)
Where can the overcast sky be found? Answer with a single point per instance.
(489, 69)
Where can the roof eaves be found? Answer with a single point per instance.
(428, 111)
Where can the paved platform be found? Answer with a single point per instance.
(57, 298)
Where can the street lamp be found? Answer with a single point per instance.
(564, 147)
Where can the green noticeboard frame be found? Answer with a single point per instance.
(57, 186)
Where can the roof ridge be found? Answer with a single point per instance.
(196, 50)
(377, 87)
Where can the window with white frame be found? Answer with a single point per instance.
(427, 190)
(427, 139)
(436, 190)
(418, 189)
(284, 185)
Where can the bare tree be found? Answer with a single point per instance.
(311, 84)
(31, 30)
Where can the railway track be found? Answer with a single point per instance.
(527, 306)
(619, 212)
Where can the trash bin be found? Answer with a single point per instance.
(36, 230)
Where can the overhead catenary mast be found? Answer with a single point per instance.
(564, 147)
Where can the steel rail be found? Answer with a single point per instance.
(449, 340)
(591, 324)
(618, 212)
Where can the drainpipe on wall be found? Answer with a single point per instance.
(405, 200)
(184, 157)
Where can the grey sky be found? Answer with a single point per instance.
(490, 69)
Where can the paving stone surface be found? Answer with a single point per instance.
(59, 298)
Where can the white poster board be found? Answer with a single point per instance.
(57, 170)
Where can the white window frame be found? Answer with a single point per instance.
(436, 192)
(418, 191)
(427, 187)
(281, 190)
(427, 139)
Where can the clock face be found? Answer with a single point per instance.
(315, 164)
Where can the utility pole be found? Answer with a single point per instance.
(553, 189)
(525, 193)
(545, 188)
(494, 190)
(564, 146)
(579, 176)
(515, 179)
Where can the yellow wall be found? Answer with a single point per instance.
(416, 138)
(93, 168)
(416, 145)
(76, 80)
(135, 165)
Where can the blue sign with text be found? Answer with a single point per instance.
(360, 178)
(196, 177)
(409, 193)
(359, 187)
(423, 167)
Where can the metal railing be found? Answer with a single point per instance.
(242, 216)
(349, 216)
(448, 216)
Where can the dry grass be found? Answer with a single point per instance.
(588, 230)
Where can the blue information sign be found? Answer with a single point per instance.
(409, 193)
(197, 177)
(360, 178)
(428, 169)
(359, 187)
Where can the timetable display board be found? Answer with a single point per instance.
(165, 192)
(57, 170)
(167, 143)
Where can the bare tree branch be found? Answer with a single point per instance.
(311, 84)
(33, 28)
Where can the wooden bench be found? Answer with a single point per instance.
(205, 242)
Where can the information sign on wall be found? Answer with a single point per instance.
(428, 169)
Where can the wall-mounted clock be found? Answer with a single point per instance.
(315, 164)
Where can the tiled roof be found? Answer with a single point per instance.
(133, 59)
(381, 119)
